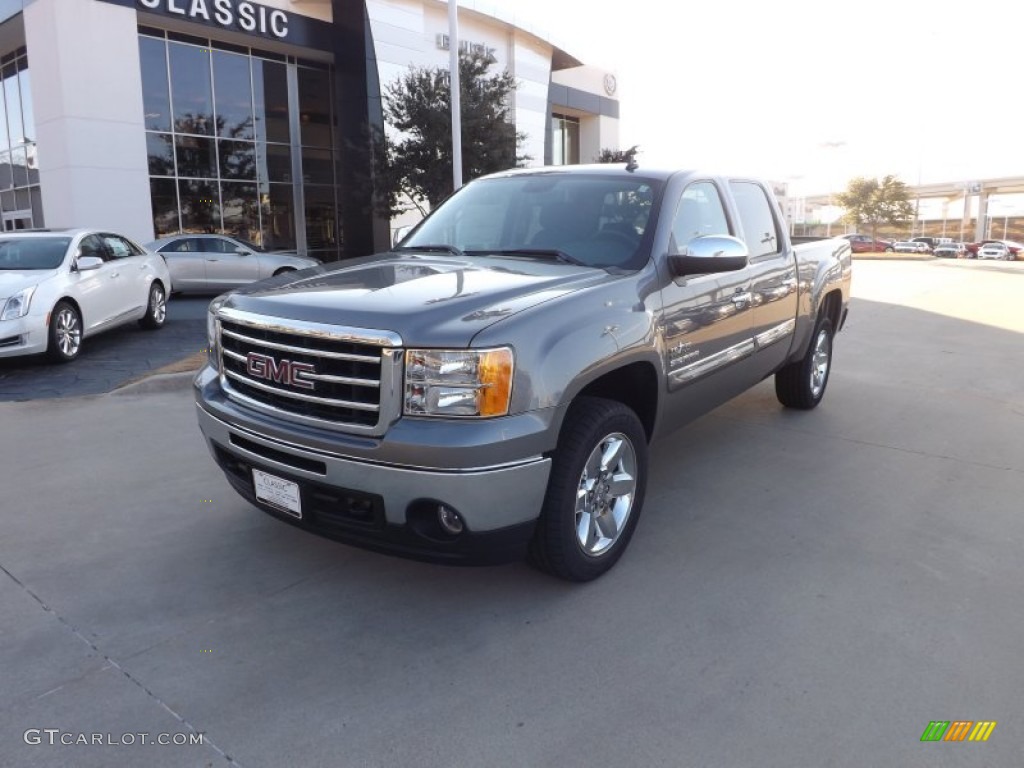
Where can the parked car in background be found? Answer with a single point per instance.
(911, 246)
(951, 251)
(1013, 247)
(217, 263)
(59, 287)
(995, 250)
(868, 244)
(931, 242)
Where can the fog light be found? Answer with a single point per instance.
(449, 519)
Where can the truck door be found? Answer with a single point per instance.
(706, 321)
(772, 272)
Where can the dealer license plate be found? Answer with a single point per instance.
(278, 492)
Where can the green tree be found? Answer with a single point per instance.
(870, 202)
(417, 165)
(617, 155)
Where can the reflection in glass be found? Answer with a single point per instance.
(159, 146)
(275, 162)
(234, 95)
(200, 207)
(315, 107)
(37, 207)
(190, 84)
(237, 160)
(196, 156)
(27, 110)
(6, 171)
(32, 163)
(321, 221)
(20, 166)
(13, 103)
(22, 200)
(156, 99)
(7, 201)
(270, 88)
(278, 216)
(164, 195)
(240, 205)
(5, 142)
(317, 167)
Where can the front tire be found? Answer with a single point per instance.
(65, 333)
(802, 384)
(595, 492)
(156, 309)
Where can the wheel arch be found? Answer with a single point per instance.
(634, 384)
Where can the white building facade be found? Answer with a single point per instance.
(152, 117)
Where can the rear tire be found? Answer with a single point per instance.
(802, 384)
(64, 333)
(595, 492)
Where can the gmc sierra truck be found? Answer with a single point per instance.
(488, 389)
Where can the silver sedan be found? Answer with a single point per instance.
(218, 263)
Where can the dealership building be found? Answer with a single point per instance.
(151, 117)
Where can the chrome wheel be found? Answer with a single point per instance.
(68, 332)
(605, 493)
(820, 362)
(157, 305)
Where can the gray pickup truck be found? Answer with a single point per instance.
(488, 389)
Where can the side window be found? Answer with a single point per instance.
(217, 245)
(119, 247)
(700, 212)
(759, 229)
(184, 245)
(91, 245)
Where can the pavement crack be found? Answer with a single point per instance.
(113, 663)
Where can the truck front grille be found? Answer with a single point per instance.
(306, 372)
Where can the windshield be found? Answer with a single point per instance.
(32, 252)
(588, 219)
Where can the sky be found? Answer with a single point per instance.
(809, 93)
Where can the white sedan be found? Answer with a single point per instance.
(58, 287)
(995, 251)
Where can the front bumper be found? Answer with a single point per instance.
(24, 336)
(388, 507)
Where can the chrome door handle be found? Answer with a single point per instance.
(114, 274)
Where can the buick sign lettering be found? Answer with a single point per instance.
(230, 14)
(287, 372)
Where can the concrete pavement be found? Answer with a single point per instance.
(805, 589)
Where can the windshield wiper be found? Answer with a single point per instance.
(431, 249)
(550, 253)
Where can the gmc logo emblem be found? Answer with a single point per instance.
(286, 372)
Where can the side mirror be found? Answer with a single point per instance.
(709, 254)
(88, 263)
(241, 251)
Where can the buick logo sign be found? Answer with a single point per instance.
(287, 372)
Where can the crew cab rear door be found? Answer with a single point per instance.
(772, 271)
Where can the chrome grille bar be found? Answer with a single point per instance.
(301, 350)
(296, 396)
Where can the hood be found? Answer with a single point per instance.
(429, 300)
(12, 281)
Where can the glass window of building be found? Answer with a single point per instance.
(565, 140)
(225, 148)
(20, 198)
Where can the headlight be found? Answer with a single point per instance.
(474, 382)
(212, 337)
(17, 305)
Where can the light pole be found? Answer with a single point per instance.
(456, 94)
